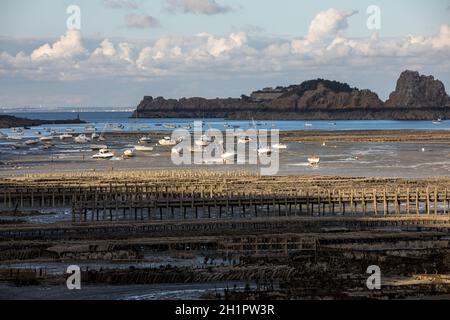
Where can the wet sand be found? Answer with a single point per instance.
(403, 154)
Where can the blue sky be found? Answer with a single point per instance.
(210, 47)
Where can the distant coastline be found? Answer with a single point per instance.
(7, 121)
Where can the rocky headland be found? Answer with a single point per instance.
(416, 97)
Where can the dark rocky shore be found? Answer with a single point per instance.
(416, 97)
(11, 122)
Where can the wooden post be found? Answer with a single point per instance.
(375, 209)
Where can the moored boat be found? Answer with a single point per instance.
(103, 154)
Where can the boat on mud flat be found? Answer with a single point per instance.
(82, 139)
(279, 146)
(244, 140)
(46, 138)
(103, 154)
(90, 128)
(145, 140)
(31, 142)
(129, 153)
(143, 148)
(167, 141)
(314, 160)
(264, 150)
(228, 155)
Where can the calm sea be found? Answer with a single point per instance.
(102, 119)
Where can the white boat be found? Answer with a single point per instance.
(103, 154)
(438, 121)
(264, 150)
(17, 130)
(203, 141)
(65, 136)
(90, 128)
(95, 136)
(279, 146)
(308, 124)
(31, 142)
(244, 140)
(145, 140)
(143, 148)
(313, 160)
(37, 133)
(16, 137)
(81, 139)
(3, 136)
(228, 155)
(129, 153)
(96, 147)
(44, 139)
(70, 130)
(177, 150)
(170, 126)
(167, 141)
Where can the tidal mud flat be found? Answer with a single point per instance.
(225, 235)
(407, 154)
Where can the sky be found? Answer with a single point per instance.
(116, 51)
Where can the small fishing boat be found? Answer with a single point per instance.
(90, 128)
(103, 154)
(143, 148)
(31, 142)
(3, 136)
(82, 139)
(167, 141)
(308, 124)
(17, 130)
(129, 153)
(145, 140)
(313, 160)
(16, 137)
(279, 146)
(47, 138)
(438, 121)
(70, 130)
(95, 136)
(37, 133)
(203, 141)
(264, 150)
(170, 126)
(244, 140)
(228, 155)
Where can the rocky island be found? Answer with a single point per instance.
(7, 121)
(416, 97)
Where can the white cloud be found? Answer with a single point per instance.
(210, 56)
(207, 7)
(119, 4)
(328, 24)
(68, 46)
(141, 21)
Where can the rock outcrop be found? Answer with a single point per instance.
(417, 91)
(415, 98)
